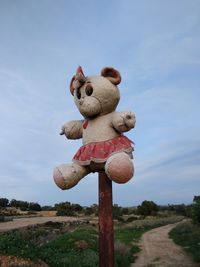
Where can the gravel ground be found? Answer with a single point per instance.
(158, 250)
(23, 222)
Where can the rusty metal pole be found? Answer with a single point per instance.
(106, 237)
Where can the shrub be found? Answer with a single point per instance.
(4, 202)
(187, 235)
(196, 210)
(117, 212)
(131, 219)
(88, 211)
(65, 212)
(123, 254)
(18, 244)
(147, 208)
(34, 206)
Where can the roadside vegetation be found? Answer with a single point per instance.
(187, 234)
(76, 243)
(64, 244)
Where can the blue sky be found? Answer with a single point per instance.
(154, 44)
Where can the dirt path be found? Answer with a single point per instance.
(158, 250)
(23, 222)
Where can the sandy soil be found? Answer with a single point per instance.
(11, 261)
(157, 249)
(23, 222)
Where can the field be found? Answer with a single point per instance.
(74, 243)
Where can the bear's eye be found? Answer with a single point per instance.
(78, 93)
(89, 90)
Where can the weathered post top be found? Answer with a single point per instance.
(105, 148)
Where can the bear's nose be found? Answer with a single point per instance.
(81, 102)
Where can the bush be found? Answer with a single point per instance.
(196, 210)
(66, 209)
(117, 212)
(148, 208)
(88, 211)
(18, 244)
(4, 202)
(34, 206)
(123, 254)
(187, 235)
(131, 219)
(47, 208)
(125, 211)
(65, 212)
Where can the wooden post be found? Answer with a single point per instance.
(106, 237)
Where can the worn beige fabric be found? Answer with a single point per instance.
(96, 98)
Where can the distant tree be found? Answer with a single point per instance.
(64, 209)
(132, 210)
(117, 212)
(93, 209)
(77, 207)
(13, 203)
(179, 209)
(196, 210)
(147, 208)
(125, 211)
(47, 208)
(23, 205)
(196, 198)
(61, 205)
(188, 210)
(34, 206)
(88, 211)
(4, 202)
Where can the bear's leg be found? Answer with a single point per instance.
(119, 168)
(68, 175)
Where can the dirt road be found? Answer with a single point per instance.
(23, 222)
(158, 250)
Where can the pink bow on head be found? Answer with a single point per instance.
(78, 80)
(79, 71)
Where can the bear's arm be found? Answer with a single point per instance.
(123, 121)
(72, 129)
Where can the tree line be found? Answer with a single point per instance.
(146, 208)
(22, 205)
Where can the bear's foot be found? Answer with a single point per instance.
(119, 168)
(67, 176)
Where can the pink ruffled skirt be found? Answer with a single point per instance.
(99, 152)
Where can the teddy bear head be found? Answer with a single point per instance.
(96, 95)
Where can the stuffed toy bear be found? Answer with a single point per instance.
(105, 148)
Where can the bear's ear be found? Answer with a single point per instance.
(111, 74)
(72, 85)
(77, 80)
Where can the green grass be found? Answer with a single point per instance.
(187, 235)
(63, 251)
(59, 246)
(125, 245)
(18, 243)
(66, 250)
(128, 235)
(67, 253)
